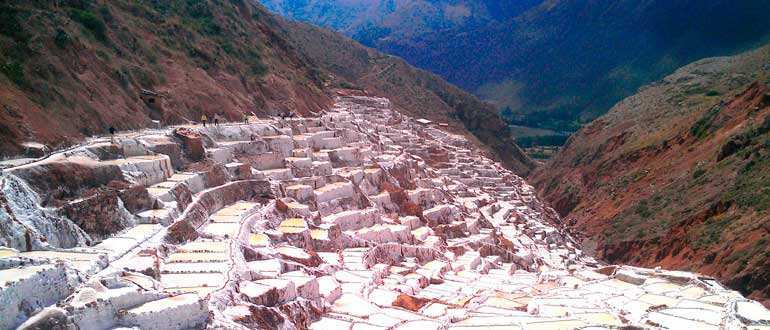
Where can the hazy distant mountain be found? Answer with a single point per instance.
(555, 60)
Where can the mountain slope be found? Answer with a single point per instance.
(554, 61)
(413, 91)
(369, 21)
(73, 68)
(677, 175)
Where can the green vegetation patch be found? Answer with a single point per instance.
(203, 23)
(347, 85)
(711, 231)
(198, 15)
(752, 186)
(90, 21)
(539, 155)
(61, 39)
(703, 126)
(10, 24)
(14, 70)
(542, 140)
(649, 219)
(14, 55)
(643, 210)
(561, 121)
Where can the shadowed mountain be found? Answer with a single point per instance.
(555, 63)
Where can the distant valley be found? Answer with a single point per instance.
(552, 64)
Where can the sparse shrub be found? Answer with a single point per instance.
(198, 9)
(752, 186)
(202, 17)
(61, 39)
(43, 92)
(258, 69)
(228, 48)
(643, 210)
(14, 70)
(122, 77)
(698, 173)
(742, 265)
(761, 243)
(80, 4)
(105, 12)
(91, 22)
(736, 256)
(711, 233)
(712, 93)
(142, 76)
(764, 127)
(10, 24)
(103, 55)
(739, 142)
(702, 126)
(140, 10)
(347, 85)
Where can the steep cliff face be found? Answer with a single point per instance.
(677, 175)
(71, 69)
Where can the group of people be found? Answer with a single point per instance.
(205, 119)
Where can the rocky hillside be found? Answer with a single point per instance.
(551, 62)
(677, 175)
(73, 68)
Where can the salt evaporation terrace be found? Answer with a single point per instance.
(361, 218)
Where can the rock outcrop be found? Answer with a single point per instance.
(26, 225)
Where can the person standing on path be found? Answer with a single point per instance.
(112, 134)
(216, 119)
(204, 119)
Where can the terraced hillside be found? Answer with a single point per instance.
(71, 69)
(360, 217)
